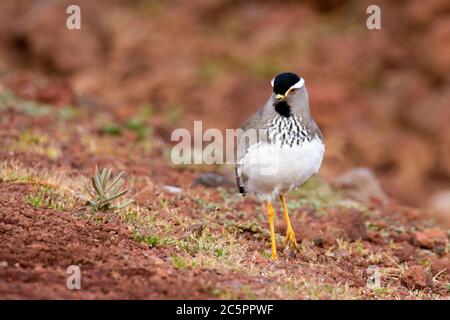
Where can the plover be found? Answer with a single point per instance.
(279, 149)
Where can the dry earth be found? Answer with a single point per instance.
(111, 94)
(181, 239)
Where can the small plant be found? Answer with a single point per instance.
(138, 126)
(152, 241)
(105, 191)
(36, 199)
(218, 252)
(111, 129)
(179, 263)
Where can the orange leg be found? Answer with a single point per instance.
(290, 235)
(271, 214)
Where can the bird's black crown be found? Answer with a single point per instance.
(283, 81)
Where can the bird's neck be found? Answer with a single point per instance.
(283, 109)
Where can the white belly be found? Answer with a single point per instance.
(272, 169)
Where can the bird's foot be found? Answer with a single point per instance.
(274, 256)
(290, 240)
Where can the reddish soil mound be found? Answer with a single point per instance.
(38, 245)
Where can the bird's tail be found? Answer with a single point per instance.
(240, 183)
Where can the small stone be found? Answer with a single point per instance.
(440, 203)
(3, 264)
(235, 284)
(441, 266)
(196, 228)
(318, 242)
(430, 238)
(417, 277)
(213, 180)
(439, 249)
(361, 184)
(172, 189)
(158, 261)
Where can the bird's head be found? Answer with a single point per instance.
(290, 95)
(287, 84)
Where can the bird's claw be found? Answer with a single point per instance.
(290, 241)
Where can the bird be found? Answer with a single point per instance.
(279, 148)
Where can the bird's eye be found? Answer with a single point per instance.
(292, 91)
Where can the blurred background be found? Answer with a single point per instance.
(381, 97)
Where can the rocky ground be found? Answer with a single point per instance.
(181, 239)
(110, 95)
(380, 97)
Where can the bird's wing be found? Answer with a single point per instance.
(242, 146)
(314, 129)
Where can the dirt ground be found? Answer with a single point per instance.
(111, 94)
(191, 242)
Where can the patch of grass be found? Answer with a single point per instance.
(295, 288)
(206, 206)
(318, 194)
(138, 126)
(37, 143)
(382, 291)
(219, 251)
(36, 199)
(96, 217)
(148, 227)
(145, 111)
(205, 242)
(131, 215)
(375, 257)
(266, 254)
(104, 144)
(112, 129)
(13, 172)
(180, 262)
(152, 241)
(35, 109)
(6, 98)
(27, 139)
(344, 246)
(45, 197)
(222, 294)
(68, 112)
(360, 248)
(251, 227)
(229, 198)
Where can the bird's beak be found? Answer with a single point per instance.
(280, 96)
